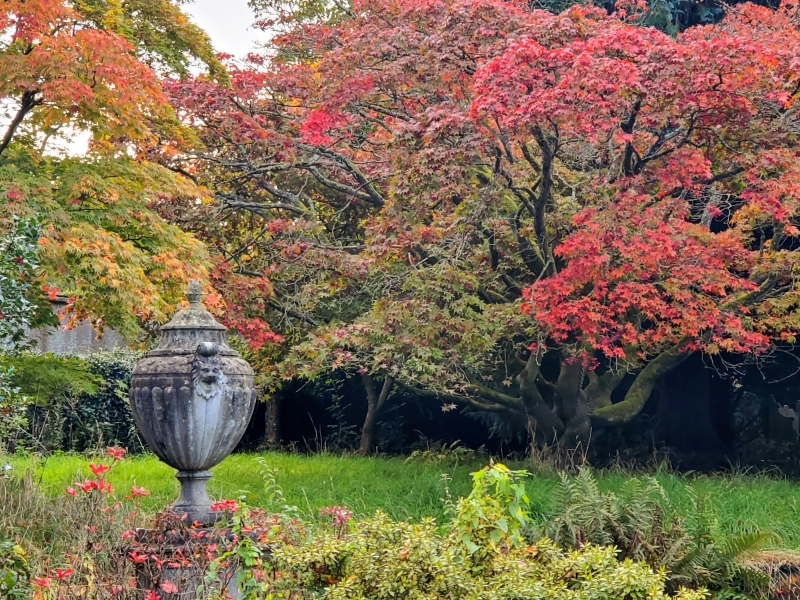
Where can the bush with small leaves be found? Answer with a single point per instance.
(14, 572)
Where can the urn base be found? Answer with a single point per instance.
(194, 501)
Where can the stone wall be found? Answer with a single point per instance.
(78, 341)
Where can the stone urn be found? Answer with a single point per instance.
(192, 398)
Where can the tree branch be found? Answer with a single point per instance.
(27, 103)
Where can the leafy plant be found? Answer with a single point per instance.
(45, 381)
(453, 453)
(495, 512)
(19, 274)
(14, 572)
(384, 559)
(643, 524)
(13, 408)
(97, 418)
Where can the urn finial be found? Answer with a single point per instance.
(194, 292)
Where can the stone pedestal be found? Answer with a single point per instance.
(177, 562)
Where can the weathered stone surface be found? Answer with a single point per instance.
(192, 398)
(79, 340)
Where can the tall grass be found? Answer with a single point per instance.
(414, 489)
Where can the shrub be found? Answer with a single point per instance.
(44, 380)
(13, 408)
(103, 417)
(76, 403)
(14, 572)
(384, 559)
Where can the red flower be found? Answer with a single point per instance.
(62, 573)
(41, 581)
(151, 595)
(129, 533)
(225, 505)
(70, 491)
(115, 453)
(87, 485)
(104, 486)
(137, 557)
(169, 587)
(98, 469)
(139, 491)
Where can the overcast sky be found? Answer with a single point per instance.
(228, 22)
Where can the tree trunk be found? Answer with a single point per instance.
(375, 403)
(574, 408)
(540, 417)
(273, 418)
(643, 385)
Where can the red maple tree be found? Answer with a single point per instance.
(410, 177)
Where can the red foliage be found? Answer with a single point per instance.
(406, 178)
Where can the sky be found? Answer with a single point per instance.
(228, 23)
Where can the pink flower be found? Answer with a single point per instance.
(169, 587)
(151, 595)
(115, 453)
(87, 486)
(138, 557)
(41, 581)
(139, 491)
(70, 491)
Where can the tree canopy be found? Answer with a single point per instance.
(93, 67)
(508, 209)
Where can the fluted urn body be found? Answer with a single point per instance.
(192, 398)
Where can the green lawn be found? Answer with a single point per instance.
(413, 489)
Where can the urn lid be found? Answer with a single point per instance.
(194, 316)
(191, 327)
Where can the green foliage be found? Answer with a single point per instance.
(48, 377)
(643, 524)
(13, 407)
(94, 419)
(43, 382)
(453, 453)
(14, 572)
(495, 512)
(79, 403)
(380, 558)
(19, 266)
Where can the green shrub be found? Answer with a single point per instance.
(45, 380)
(103, 417)
(75, 403)
(384, 559)
(495, 512)
(14, 572)
(480, 554)
(13, 408)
